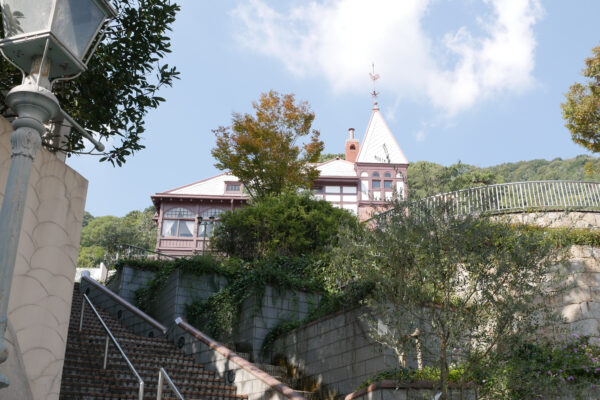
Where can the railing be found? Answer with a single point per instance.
(237, 364)
(522, 196)
(163, 376)
(131, 251)
(127, 305)
(110, 336)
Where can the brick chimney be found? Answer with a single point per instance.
(351, 146)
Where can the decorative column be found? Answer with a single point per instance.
(35, 105)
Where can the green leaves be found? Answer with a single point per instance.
(262, 149)
(581, 110)
(288, 224)
(124, 76)
(440, 277)
(101, 236)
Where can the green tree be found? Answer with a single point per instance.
(427, 179)
(581, 110)
(103, 237)
(445, 282)
(288, 224)
(262, 150)
(331, 156)
(87, 217)
(123, 78)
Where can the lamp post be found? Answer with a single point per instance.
(204, 223)
(46, 40)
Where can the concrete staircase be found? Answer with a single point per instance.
(84, 378)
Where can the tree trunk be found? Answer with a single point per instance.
(444, 369)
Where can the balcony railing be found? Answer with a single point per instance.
(522, 196)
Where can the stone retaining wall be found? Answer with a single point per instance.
(181, 289)
(257, 318)
(580, 303)
(128, 280)
(335, 350)
(557, 219)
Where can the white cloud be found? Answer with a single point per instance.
(338, 39)
(420, 136)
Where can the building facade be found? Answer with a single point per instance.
(371, 174)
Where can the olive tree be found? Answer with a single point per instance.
(445, 281)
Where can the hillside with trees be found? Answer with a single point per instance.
(427, 178)
(102, 236)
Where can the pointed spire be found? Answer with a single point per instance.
(379, 144)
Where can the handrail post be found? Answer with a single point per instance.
(81, 318)
(141, 391)
(160, 385)
(106, 352)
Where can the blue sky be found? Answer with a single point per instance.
(470, 80)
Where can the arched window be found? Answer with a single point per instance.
(375, 174)
(207, 221)
(364, 174)
(352, 147)
(178, 222)
(387, 175)
(399, 175)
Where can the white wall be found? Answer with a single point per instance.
(42, 288)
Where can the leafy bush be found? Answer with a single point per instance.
(408, 375)
(528, 370)
(289, 225)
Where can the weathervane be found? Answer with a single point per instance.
(374, 78)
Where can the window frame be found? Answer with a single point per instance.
(182, 217)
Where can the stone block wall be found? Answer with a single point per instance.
(127, 281)
(42, 286)
(335, 350)
(580, 303)
(259, 316)
(389, 390)
(557, 219)
(181, 289)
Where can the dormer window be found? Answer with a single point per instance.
(233, 187)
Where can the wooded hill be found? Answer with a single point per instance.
(427, 178)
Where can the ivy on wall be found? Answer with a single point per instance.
(218, 315)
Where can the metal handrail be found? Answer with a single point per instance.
(522, 196)
(130, 247)
(162, 374)
(136, 311)
(110, 336)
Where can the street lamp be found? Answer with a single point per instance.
(46, 40)
(205, 232)
(60, 30)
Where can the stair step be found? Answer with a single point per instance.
(85, 379)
